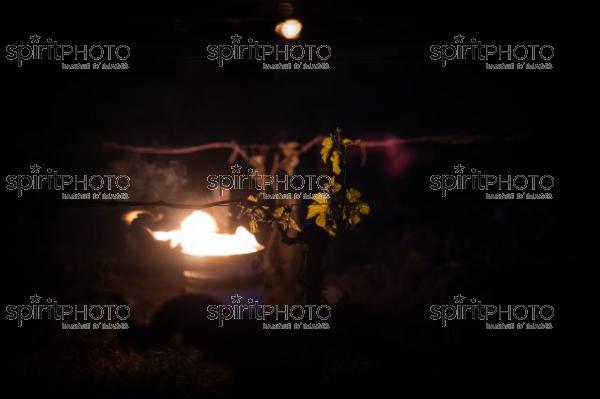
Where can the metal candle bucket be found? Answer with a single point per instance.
(220, 277)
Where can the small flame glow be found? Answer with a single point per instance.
(198, 236)
(131, 216)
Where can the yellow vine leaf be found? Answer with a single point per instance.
(335, 162)
(294, 225)
(315, 210)
(326, 145)
(352, 195)
(355, 218)
(364, 208)
(321, 198)
(334, 186)
(278, 212)
(321, 219)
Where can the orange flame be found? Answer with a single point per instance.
(198, 236)
(131, 216)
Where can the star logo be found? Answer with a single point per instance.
(458, 38)
(236, 298)
(236, 168)
(235, 38)
(35, 298)
(35, 168)
(459, 298)
(34, 38)
(459, 168)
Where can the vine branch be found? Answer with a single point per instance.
(238, 149)
(166, 203)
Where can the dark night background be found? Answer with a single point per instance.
(415, 249)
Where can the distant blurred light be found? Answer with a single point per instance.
(399, 158)
(289, 29)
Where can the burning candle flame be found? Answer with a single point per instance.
(198, 236)
(131, 216)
